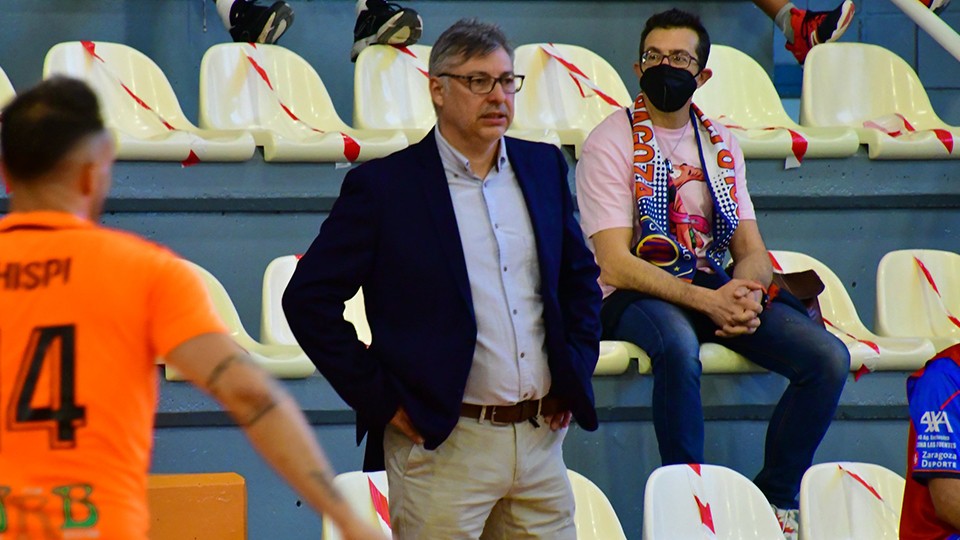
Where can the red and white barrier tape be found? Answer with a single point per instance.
(413, 59)
(897, 125)
(380, 503)
(859, 481)
(699, 493)
(578, 76)
(798, 143)
(351, 148)
(928, 277)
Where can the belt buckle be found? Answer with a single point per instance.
(493, 417)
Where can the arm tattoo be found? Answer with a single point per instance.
(223, 365)
(326, 484)
(268, 405)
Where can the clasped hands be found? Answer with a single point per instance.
(735, 307)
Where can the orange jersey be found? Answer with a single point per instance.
(84, 313)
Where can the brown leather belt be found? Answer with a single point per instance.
(511, 414)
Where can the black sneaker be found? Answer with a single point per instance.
(385, 23)
(251, 22)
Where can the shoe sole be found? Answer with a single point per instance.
(280, 19)
(404, 28)
(847, 11)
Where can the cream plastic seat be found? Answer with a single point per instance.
(866, 348)
(568, 89)
(688, 502)
(714, 358)
(858, 85)
(391, 91)
(277, 96)
(7, 93)
(594, 518)
(140, 107)
(741, 96)
(850, 501)
(908, 305)
(283, 361)
(367, 495)
(273, 323)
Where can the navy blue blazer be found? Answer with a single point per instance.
(393, 231)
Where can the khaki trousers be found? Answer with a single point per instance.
(485, 482)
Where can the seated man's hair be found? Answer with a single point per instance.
(45, 123)
(466, 39)
(675, 18)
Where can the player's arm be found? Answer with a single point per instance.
(750, 254)
(272, 421)
(945, 493)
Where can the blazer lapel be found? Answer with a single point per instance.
(526, 176)
(436, 192)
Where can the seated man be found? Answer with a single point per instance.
(663, 197)
(931, 499)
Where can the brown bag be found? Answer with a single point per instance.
(804, 286)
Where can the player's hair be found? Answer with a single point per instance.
(45, 123)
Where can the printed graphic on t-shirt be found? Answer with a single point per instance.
(691, 209)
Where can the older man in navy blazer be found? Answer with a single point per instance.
(483, 303)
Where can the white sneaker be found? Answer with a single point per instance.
(789, 522)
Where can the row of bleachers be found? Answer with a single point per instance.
(839, 500)
(263, 95)
(918, 292)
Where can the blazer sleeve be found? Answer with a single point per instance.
(329, 274)
(579, 293)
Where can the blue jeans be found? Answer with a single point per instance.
(787, 342)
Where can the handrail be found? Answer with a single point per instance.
(932, 24)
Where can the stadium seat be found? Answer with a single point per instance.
(140, 107)
(391, 92)
(7, 92)
(918, 295)
(595, 518)
(850, 501)
(875, 92)
(741, 96)
(273, 323)
(367, 494)
(568, 89)
(692, 502)
(283, 361)
(277, 96)
(714, 358)
(840, 315)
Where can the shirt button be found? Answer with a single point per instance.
(496, 226)
(522, 355)
(504, 268)
(514, 312)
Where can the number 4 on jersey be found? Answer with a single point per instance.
(51, 352)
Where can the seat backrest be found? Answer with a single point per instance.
(7, 93)
(740, 92)
(835, 302)
(366, 494)
(223, 304)
(552, 98)
(249, 87)
(595, 518)
(907, 304)
(847, 84)
(850, 501)
(391, 88)
(684, 502)
(273, 322)
(135, 95)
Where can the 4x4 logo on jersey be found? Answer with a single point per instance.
(934, 419)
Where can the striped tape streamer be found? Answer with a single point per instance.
(578, 76)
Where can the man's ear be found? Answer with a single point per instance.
(436, 91)
(86, 179)
(704, 76)
(637, 70)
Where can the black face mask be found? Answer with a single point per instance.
(668, 88)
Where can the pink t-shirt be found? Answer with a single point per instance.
(605, 184)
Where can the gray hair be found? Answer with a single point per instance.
(466, 39)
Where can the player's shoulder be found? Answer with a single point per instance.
(131, 247)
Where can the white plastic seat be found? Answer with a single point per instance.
(273, 323)
(140, 107)
(283, 361)
(594, 518)
(891, 353)
(686, 502)
(908, 305)
(714, 358)
(277, 96)
(366, 494)
(850, 501)
(391, 91)
(741, 96)
(854, 84)
(570, 95)
(7, 93)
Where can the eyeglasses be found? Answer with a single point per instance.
(678, 59)
(484, 84)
